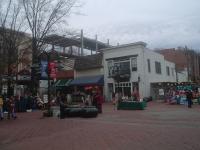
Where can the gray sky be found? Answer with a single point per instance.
(159, 23)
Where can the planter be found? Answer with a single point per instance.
(130, 105)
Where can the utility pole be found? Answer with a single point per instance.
(108, 42)
(96, 43)
(82, 44)
(186, 53)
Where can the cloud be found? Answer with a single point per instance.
(166, 24)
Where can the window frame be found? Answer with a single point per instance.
(158, 68)
(134, 63)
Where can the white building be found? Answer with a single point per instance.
(134, 66)
(182, 76)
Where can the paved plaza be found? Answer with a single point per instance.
(159, 127)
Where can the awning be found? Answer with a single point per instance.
(62, 83)
(89, 80)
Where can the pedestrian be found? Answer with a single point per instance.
(189, 98)
(11, 108)
(88, 100)
(99, 100)
(136, 94)
(63, 105)
(1, 107)
(113, 99)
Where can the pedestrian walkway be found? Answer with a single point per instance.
(159, 127)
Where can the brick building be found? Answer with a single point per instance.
(184, 59)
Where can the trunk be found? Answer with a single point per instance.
(35, 82)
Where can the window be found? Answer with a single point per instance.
(158, 67)
(149, 65)
(168, 72)
(134, 64)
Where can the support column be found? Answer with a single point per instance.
(108, 42)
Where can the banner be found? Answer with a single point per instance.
(44, 69)
(52, 69)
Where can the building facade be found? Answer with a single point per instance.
(186, 61)
(133, 66)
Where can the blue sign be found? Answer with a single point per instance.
(44, 68)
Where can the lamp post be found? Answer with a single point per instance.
(50, 74)
(48, 54)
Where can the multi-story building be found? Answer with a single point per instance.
(131, 66)
(186, 61)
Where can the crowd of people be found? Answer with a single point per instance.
(7, 105)
(10, 105)
(186, 96)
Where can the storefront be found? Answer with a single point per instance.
(87, 85)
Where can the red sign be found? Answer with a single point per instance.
(52, 69)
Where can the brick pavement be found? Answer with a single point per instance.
(159, 127)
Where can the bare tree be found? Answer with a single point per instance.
(42, 17)
(10, 36)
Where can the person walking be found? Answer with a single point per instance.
(99, 100)
(1, 107)
(113, 99)
(189, 98)
(11, 108)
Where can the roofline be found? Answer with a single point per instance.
(126, 45)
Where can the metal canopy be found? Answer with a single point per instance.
(66, 42)
(61, 41)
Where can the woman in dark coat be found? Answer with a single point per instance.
(98, 99)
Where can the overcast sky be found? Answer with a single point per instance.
(159, 23)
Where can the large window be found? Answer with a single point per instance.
(134, 63)
(158, 67)
(167, 70)
(149, 65)
(124, 88)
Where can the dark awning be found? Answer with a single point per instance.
(62, 83)
(89, 80)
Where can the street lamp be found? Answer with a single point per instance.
(48, 54)
(50, 68)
